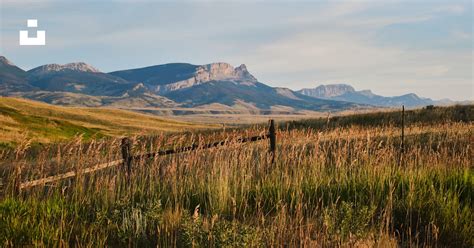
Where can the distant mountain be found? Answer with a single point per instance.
(182, 85)
(51, 68)
(327, 91)
(257, 95)
(220, 83)
(170, 77)
(177, 85)
(77, 78)
(12, 78)
(344, 92)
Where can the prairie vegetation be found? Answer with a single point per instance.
(22, 119)
(340, 185)
(429, 115)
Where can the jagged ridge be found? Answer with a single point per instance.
(344, 92)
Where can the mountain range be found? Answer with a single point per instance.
(345, 92)
(181, 85)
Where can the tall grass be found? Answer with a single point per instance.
(426, 116)
(341, 187)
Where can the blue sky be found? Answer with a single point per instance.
(391, 47)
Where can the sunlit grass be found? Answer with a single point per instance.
(44, 123)
(338, 187)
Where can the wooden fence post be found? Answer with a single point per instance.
(272, 136)
(17, 181)
(127, 155)
(403, 129)
(402, 145)
(327, 121)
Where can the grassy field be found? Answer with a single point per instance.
(37, 122)
(331, 185)
(425, 116)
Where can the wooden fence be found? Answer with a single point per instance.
(128, 157)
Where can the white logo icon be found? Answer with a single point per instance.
(39, 40)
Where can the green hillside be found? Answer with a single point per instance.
(22, 119)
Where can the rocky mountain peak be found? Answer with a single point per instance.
(241, 67)
(5, 61)
(211, 72)
(78, 66)
(215, 71)
(222, 71)
(242, 73)
(329, 90)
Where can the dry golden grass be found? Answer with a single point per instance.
(341, 187)
(47, 123)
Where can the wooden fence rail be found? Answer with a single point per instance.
(128, 157)
(69, 174)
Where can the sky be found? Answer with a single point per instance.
(391, 47)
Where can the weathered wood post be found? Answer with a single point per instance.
(272, 136)
(328, 119)
(127, 155)
(403, 129)
(402, 144)
(17, 181)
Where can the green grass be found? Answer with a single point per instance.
(49, 128)
(42, 123)
(344, 206)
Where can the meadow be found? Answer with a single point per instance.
(42, 123)
(337, 183)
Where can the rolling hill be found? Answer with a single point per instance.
(22, 119)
